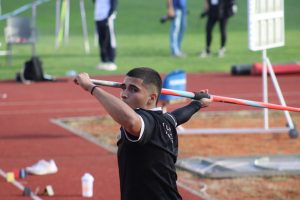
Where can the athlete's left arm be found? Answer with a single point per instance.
(183, 114)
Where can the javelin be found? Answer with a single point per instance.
(215, 98)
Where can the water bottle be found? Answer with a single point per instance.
(87, 181)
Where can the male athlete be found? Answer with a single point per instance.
(148, 142)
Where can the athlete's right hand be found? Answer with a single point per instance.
(83, 79)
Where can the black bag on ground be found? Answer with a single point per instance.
(33, 70)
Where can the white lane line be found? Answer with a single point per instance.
(45, 102)
(47, 111)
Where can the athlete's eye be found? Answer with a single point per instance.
(133, 89)
(123, 86)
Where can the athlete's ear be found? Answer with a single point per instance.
(152, 99)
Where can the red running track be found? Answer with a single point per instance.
(27, 135)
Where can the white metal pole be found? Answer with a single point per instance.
(57, 11)
(84, 27)
(96, 38)
(265, 88)
(67, 22)
(57, 23)
(33, 26)
(279, 93)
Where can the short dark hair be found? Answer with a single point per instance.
(148, 75)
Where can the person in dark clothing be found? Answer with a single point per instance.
(104, 15)
(217, 11)
(148, 142)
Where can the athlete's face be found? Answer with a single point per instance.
(136, 94)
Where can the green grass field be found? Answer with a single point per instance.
(143, 41)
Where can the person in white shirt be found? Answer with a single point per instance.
(104, 15)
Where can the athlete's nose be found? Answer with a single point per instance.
(124, 95)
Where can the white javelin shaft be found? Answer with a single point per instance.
(106, 83)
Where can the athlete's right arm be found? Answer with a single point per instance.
(116, 108)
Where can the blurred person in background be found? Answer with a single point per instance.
(177, 13)
(104, 15)
(217, 11)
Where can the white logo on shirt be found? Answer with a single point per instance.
(168, 131)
